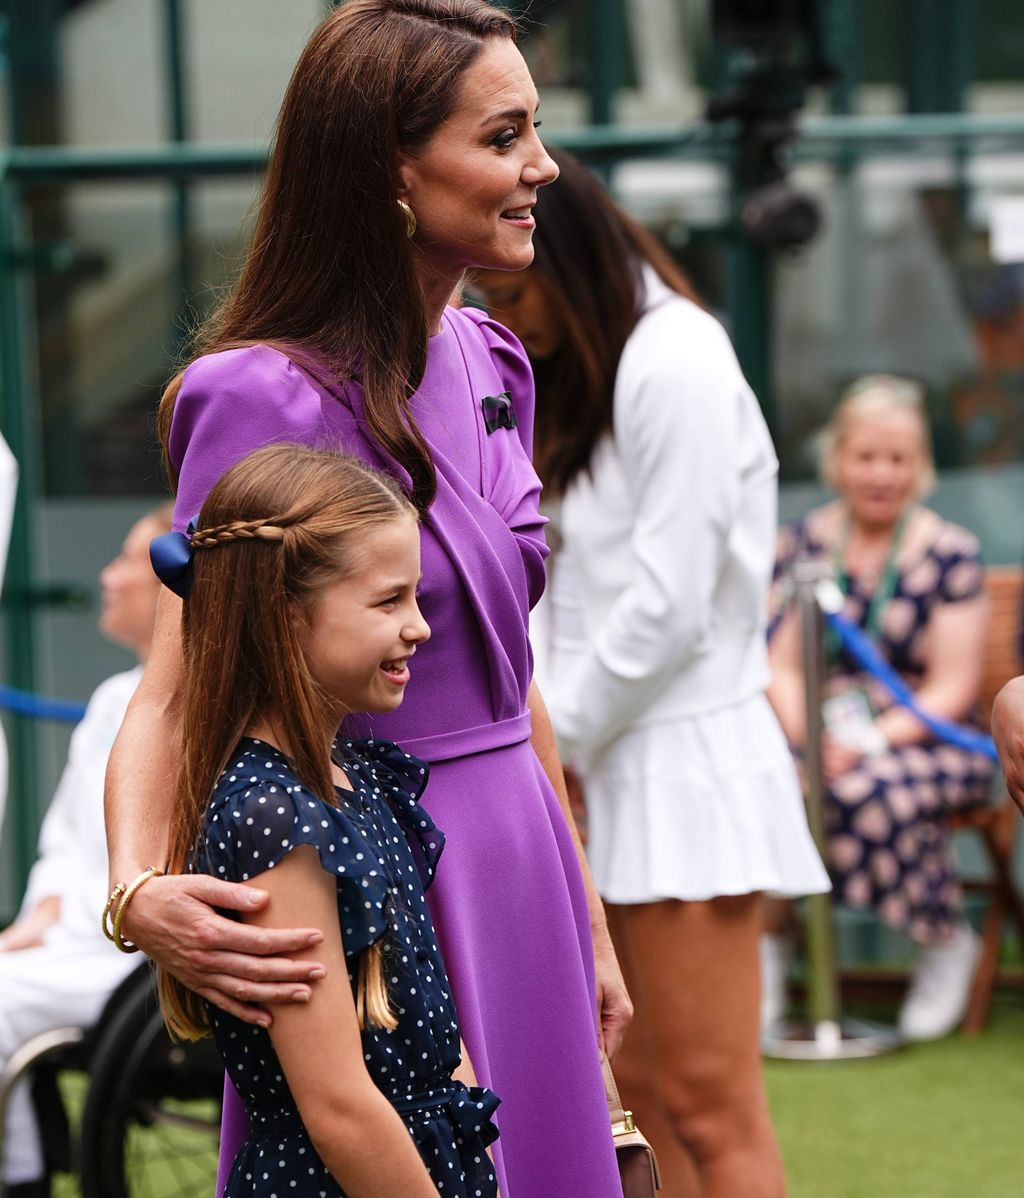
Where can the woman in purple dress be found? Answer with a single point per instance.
(406, 152)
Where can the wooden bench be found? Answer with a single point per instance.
(997, 823)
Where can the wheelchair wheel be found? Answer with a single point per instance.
(151, 1121)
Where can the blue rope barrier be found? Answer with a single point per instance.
(862, 649)
(38, 708)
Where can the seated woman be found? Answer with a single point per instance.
(913, 581)
(56, 967)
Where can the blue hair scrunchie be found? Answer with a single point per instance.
(171, 555)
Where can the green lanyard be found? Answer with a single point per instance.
(884, 592)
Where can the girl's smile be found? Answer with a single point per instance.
(397, 670)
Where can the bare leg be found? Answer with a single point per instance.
(694, 976)
(635, 1076)
(778, 916)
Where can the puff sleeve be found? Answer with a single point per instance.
(512, 485)
(231, 403)
(265, 813)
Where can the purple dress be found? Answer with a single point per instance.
(508, 903)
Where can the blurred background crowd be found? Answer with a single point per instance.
(842, 183)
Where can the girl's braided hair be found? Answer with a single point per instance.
(285, 522)
(237, 530)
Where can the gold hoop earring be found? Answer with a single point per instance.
(410, 218)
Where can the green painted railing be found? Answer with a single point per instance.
(840, 139)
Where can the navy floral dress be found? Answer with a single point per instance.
(382, 847)
(888, 844)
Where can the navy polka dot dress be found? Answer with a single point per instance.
(382, 847)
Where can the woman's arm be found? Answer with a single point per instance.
(357, 1132)
(29, 930)
(786, 688)
(613, 1003)
(954, 652)
(173, 919)
(1008, 730)
(953, 659)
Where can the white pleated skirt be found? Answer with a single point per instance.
(699, 807)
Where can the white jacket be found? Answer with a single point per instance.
(8, 491)
(658, 599)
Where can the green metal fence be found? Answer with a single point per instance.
(841, 140)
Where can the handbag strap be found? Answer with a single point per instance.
(611, 1090)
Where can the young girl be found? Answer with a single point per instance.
(300, 582)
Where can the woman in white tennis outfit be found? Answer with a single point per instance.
(657, 671)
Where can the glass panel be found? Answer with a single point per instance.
(236, 82)
(111, 323)
(650, 64)
(115, 65)
(112, 79)
(902, 280)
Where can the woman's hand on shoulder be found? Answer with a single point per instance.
(235, 966)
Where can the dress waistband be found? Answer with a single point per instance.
(469, 1108)
(274, 1122)
(446, 746)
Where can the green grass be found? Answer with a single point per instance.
(169, 1159)
(940, 1120)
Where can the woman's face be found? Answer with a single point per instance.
(130, 589)
(521, 302)
(473, 185)
(879, 462)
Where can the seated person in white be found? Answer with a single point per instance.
(8, 490)
(56, 967)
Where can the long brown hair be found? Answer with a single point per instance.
(329, 275)
(589, 255)
(274, 530)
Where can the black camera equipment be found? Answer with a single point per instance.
(775, 55)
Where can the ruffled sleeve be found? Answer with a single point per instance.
(400, 779)
(251, 831)
(513, 487)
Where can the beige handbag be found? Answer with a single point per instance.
(638, 1166)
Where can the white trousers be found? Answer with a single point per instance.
(62, 983)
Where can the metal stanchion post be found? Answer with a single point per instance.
(822, 988)
(825, 1035)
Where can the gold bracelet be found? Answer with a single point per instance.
(115, 894)
(126, 946)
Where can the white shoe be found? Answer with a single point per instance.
(940, 987)
(776, 955)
